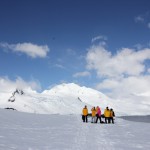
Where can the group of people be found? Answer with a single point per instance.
(97, 115)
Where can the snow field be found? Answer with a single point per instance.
(23, 131)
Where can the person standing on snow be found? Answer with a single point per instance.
(93, 115)
(107, 115)
(112, 115)
(98, 114)
(85, 114)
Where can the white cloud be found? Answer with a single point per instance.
(122, 75)
(139, 19)
(148, 25)
(81, 74)
(71, 51)
(143, 19)
(124, 62)
(29, 49)
(59, 66)
(7, 85)
(126, 87)
(138, 46)
(100, 37)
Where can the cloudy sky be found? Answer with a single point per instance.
(102, 44)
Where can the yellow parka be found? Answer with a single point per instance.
(85, 111)
(93, 112)
(107, 113)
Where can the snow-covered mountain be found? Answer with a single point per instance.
(61, 99)
(70, 99)
(84, 94)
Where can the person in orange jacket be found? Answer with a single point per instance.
(112, 115)
(85, 114)
(93, 115)
(107, 115)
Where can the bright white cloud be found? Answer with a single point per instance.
(126, 87)
(122, 75)
(100, 37)
(82, 74)
(124, 62)
(29, 49)
(7, 85)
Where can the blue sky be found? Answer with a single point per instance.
(51, 41)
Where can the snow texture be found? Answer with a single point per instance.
(25, 131)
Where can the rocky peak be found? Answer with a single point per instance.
(17, 91)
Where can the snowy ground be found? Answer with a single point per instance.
(23, 131)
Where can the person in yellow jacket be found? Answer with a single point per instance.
(107, 115)
(93, 115)
(85, 114)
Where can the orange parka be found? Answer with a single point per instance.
(112, 113)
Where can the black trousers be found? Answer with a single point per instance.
(111, 120)
(98, 117)
(84, 118)
(107, 119)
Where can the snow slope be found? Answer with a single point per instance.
(61, 99)
(44, 104)
(24, 131)
(87, 95)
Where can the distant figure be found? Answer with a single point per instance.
(85, 114)
(93, 115)
(107, 115)
(98, 114)
(112, 115)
